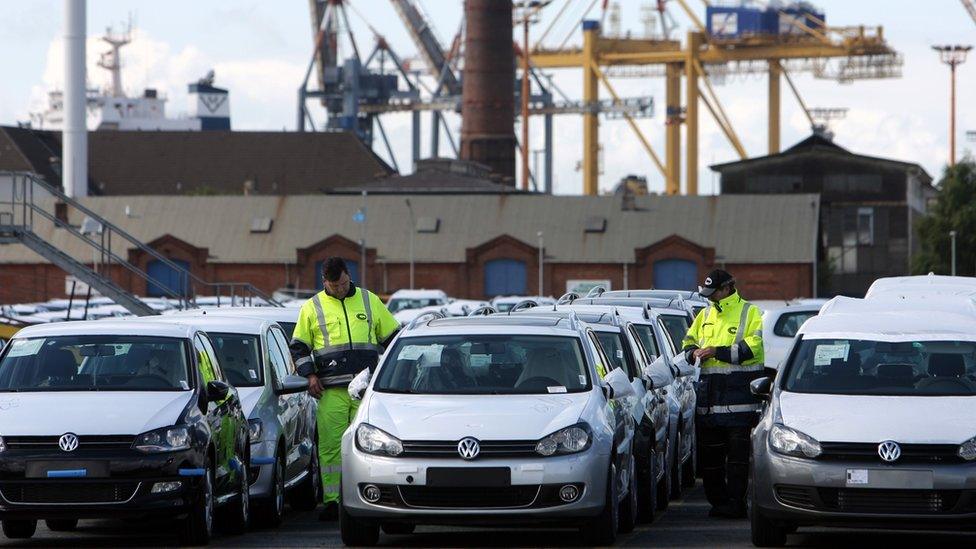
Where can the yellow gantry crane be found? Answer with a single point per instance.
(803, 43)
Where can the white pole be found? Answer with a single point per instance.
(413, 229)
(541, 261)
(74, 160)
(952, 235)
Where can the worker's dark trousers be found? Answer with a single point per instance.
(724, 458)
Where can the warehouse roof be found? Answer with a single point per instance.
(577, 229)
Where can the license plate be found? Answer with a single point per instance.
(912, 479)
(469, 477)
(66, 469)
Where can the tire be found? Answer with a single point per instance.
(308, 493)
(628, 507)
(197, 527)
(19, 529)
(688, 478)
(664, 485)
(675, 472)
(602, 529)
(398, 528)
(61, 525)
(237, 514)
(647, 491)
(766, 532)
(270, 512)
(356, 532)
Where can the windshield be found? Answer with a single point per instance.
(238, 355)
(95, 363)
(505, 306)
(613, 346)
(482, 364)
(861, 367)
(677, 327)
(403, 303)
(646, 335)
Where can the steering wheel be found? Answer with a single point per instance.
(538, 381)
(153, 380)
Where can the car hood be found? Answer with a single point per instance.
(860, 418)
(250, 396)
(90, 412)
(485, 417)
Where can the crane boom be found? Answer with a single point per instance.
(971, 8)
(430, 48)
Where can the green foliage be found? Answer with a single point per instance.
(954, 209)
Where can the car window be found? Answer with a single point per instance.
(632, 332)
(788, 324)
(645, 334)
(618, 352)
(239, 355)
(289, 329)
(403, 303)
(208, 355)
(278, 363)
(282, 340)
(95, 363)
(484, 364)
(676, 327)
(602, 358)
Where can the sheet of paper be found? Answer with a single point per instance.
(857, 477)
(825, 353)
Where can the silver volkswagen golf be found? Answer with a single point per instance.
(491, 421)
(870, 421)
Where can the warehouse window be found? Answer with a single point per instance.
(865, 226)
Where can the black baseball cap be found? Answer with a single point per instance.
(715, 280)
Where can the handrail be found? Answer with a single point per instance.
(567, 297)
(429, 315)
(524, 304)
(484, 310)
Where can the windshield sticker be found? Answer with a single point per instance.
(582, 379)
(254, 375)
(620, 353)
(559, 389)
(185, 385)
(826, 353)
(25, 347)
(412, 352)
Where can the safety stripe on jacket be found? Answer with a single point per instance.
(730, 408)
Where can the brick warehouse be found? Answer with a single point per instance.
(469, 246)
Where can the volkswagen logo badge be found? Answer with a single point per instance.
(469, 448)
(889, 450)
(68, 442)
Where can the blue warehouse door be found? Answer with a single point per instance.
(167, 278)
(352, 266)
(505, 277)
(675, 274)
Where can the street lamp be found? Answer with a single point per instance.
(952, 237)
(952, 56)
(413, 229)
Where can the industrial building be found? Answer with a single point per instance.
(869, 206)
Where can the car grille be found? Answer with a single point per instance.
(509, 497)
(489, 448)
(916, 502)
(910, 453)
(797, 496)
(102, 442)
(39, 493)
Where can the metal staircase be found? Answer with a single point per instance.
(32, 202)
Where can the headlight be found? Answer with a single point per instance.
(792, 442)
(255, 428)
(570, 440)
(167, 439)
(376, 441)
(967, 450)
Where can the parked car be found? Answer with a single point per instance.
(120, 418)
(869, 421)
(279, 411)
(930, 284)
(286, 317)
(415, 299)
(694, 300)
(503, 304)
(503, 420)
(780, 326)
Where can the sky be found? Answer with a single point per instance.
(259, 50)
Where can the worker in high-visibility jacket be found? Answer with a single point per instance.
(726, 340)
(341, 331)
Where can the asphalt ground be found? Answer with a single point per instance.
(684, 524)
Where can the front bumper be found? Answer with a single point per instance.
(262, 468)
(531, 498)
(808, 492)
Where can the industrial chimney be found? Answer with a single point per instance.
(488, 90)
(74, 140)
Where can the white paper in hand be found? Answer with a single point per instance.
(358, 384)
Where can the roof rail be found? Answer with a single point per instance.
(524, 304)
(566, 298)
(428, 316)
(484, 310)
(595, 291)
(574, 321)
(647, 310)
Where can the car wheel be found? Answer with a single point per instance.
(398, 528)
(766, 532)
(61, 525)
(688, 478)
(664, 485)
(237, 514)
(602, 529)
(647, 491)
(271, 511)
(19, 529)
(628, 508)
(675, 472)
(307, 495)
(356, 532)
(197, 527)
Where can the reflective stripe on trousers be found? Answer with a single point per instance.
(335, 413)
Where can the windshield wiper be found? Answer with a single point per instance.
(399, 391)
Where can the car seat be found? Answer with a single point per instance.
(896, 375)
(543, 363)
(57, 364)
(947, 371)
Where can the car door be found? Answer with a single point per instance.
(287, 407)
(658, 404)
(623, 421)
(224, 419)
(684, 387)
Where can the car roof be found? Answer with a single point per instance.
(656, 302)
(418, 293)
(273, 314)
(493, 324)
(798, 307)
(125, 326)
(217, 323)
(930, 283)
(894, 320)
(687, 295)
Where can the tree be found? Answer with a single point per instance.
(954, 209)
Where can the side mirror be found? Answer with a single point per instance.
(659, 373)
(619, 383)
(762, 387)
(292, 384)
(684, 367)
(217, 391)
